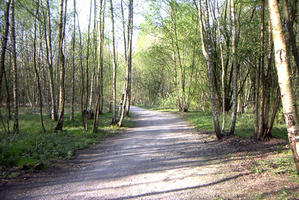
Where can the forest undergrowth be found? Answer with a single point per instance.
(32, 149)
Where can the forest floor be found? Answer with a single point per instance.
(164, 157)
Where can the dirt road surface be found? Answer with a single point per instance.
(162, 157)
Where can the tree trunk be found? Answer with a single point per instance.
(268, 81)
(95, 57)
(36, 70)
(126, 55)
(61, 32)
(114, 66)
(87, 61)
(100, 65)
(277, 104)
(284, 79)
(223, 75)
(235, 72)
(207, 51)
(82, 76)
(50, 62)
(74, 64)
(262, 75)
(177, 51)
(129, 63)
(290, 19)
(15, 71)
(4, 46)
(175, 77)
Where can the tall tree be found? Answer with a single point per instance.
(61, 37)
(129, 65)
(235, 70)
(15, 70)
(4, 40)
(261, 124)
(73, 63)
(100, 65)
(284, 78)
(114, 65)
(49, 51)
(207, 51)
(290, 19)
(36, 69)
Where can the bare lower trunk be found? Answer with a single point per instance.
(15, 71)
(235, 72)
(100, 66)
(284, 79)
(36, 70)
(290, 19)
(82, 78)
(268, 78)
(114, 66)
(73, 63)
(4, 40)
(262, 75)
(61, 33)
(277, 104)
(207, 51)
(129, 63)
(50, 63)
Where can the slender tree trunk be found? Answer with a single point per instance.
(36, 70)
(191, 77)
(262, 74)
(74, 64)
(15, 71)
(50, 61)
(87, 61)
(129, 62)
(95, 57)
(61, 32)
(223, 75)
(177, 51)
(4, 46)
(82, 76)
(277, 104)
(114, 66)
(268, 80)
(124, 30)
(8, 104)
(290, 19)
(256, 101)
(284, 79)
(235, 71)
(207, 51)
(176, 78)
(126, 56)
(100, 65)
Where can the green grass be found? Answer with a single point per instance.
(161, 109)
(33, 149)
(203, 121)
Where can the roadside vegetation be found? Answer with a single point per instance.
(33, 149)
(203, 122)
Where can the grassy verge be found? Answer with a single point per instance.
(203, 121)
(32, 149)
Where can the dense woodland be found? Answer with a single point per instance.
(227, 57)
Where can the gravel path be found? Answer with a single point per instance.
(160, 158)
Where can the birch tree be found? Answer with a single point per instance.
(284, 78)
(207, 52)
(114, 120)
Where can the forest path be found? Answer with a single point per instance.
(160, 158)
